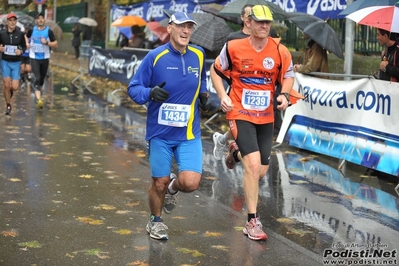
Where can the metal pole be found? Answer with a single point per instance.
(55, 11)
(349, 37)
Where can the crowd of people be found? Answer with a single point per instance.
(173, 130)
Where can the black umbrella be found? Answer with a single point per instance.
(210, 32)
(234, 8)
(318, 30)
(215, 10)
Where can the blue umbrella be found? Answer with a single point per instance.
(71, 20)
(127, 31)
(360, 4)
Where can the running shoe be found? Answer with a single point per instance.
(170, 199)
(157, 230)
(8, 109)
(219, 147)
(39, 104)
(230, 162)
(29, 76)
(253, 229)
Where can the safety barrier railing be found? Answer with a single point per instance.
(79, 81)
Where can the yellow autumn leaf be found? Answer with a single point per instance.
(285, 220)
(14, 179)
(305, 159)
(86, 176)
(327, 194)
(179, 217)
(88, 220)
(132, 204)
(31, 244)
(122, 212)
(10, 233)
(239, 228)
(192, 232)
(101, 143)
(140, 153)
(105, 207)
(123, 231)
(35, 153)
(13, 202)
(141, 247)
(192, 252)
(220, 247)
(299, 232)
(209, 234)
(137, 262)
(213, 178)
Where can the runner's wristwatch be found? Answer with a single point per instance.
(287, 95)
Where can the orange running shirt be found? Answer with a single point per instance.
(254, 75)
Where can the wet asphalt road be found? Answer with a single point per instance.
(73, 183)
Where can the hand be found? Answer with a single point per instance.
(383, 65)
(158, 94)
(205, 101)
(226, 104)
(283, 102)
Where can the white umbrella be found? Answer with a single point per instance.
(88, 21)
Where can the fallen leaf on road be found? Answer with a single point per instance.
(10, 233)
(31, 244)
(192, 252)
(123, 231)
(208, 234)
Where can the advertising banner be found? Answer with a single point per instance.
(349, 120)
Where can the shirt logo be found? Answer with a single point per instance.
(268, 63)
(193, 70)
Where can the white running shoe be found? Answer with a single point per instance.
(218, 149)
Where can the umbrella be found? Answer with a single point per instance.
(71, 20)
(279, 27)
(127, 31)
(318, 30)
(360, 4)
(55, 28)
(88, 22)
(215, 10)
(26, 20)
(210, 32)
(129, 21)
(235, 8)
(383, 17)
(160, 31)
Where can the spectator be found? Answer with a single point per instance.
(315, 58)
(76, 31)
(86, 38)
(389, 66)
(138, 38)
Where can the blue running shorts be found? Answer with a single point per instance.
(187, 153)
(11, 69)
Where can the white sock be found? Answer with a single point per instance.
(170, 189)
(222, 139)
